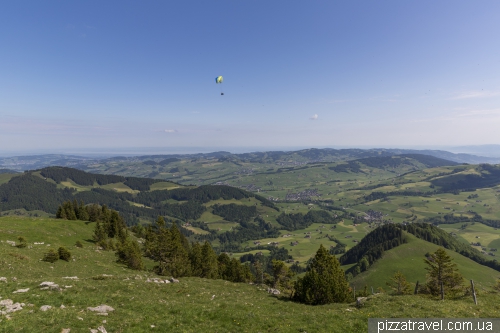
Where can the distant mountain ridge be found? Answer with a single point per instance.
(21, 163)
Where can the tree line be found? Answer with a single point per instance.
(296, 221)
(59, 174)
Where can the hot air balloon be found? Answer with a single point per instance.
(218, 80)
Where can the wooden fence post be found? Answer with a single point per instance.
(416, 288)
(442, 291)
(372, 291)
(473, 292)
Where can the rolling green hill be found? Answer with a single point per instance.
(409, 259)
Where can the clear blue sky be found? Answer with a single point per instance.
(111, 74)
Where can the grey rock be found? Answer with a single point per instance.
(101, 308)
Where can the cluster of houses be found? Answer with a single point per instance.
(250, 188)
(372, 215)
(303, 195)
(244, 172)
(270, 243)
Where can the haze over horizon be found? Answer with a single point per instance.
(127, 75)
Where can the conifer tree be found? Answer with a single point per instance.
(151, 243)
(94, 212)
(223, 262)
(441, 268)
(196, 258)
(259, 272)
(178, 259)
(129, 253)
(100, 236)
(64, 254)
(209, 264)
(281, 274)
(61, 213)
(70, 212)
(324, 282)
(157, 242)
(83, 214)
(399, 284)
(75, 208)
(105, 214)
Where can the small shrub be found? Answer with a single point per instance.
(51, 256)
(22, 242)
(64, 254)
(79, 244)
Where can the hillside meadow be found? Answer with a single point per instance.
(192, 305)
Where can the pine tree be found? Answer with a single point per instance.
(223, 262)
(281, 274)
(441, 268)
(61, 213)
(75, 208)
(324, 282)
(168, 250)
(64, 254)
(196, 258)
(94, 212)
(100, 236)
(129, 253)
(69, 211)
(399, 284)
(259, 272)
(22, 242)
(209, 264)
(83, 214)
(178, 259)
(151, 243)
(157, 242)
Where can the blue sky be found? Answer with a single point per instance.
(130, 74)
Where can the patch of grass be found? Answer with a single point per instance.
(194, 304)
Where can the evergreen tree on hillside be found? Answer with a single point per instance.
(178, 264)
(69, 210)
(100, 236)
(83, 214)
(399, 284)
(169, 251)
(237, 272)
(61, 213)
(196, 259)
(152, 239)
(441, 268)
(223, 261)
(209, 265)
(324, 283)
(129, 253)
(282, 275)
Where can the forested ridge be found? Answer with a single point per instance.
(32, 192)
(59, 174)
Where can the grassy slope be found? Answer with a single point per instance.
(183, 307)
(409, 259)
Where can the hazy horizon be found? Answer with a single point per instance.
(481, 150)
